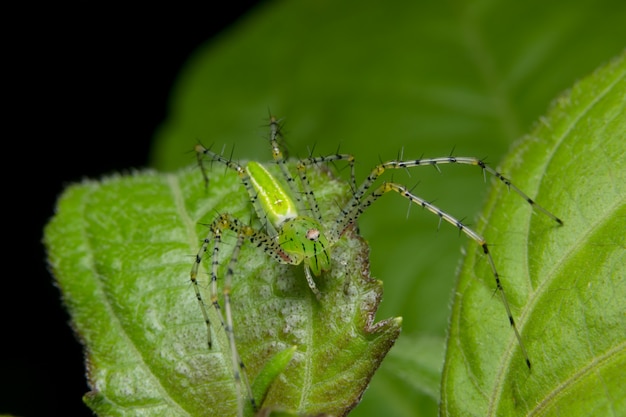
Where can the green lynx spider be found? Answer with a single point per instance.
(291, 237)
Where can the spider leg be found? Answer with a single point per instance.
(259, 239)
(405, 192)
(361, 200)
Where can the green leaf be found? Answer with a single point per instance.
(566, 284)
(121, 250)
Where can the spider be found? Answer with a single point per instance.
(294, 232)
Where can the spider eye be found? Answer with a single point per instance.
(313, 234)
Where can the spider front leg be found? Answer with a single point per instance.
(239, 368)
(470, 161)
(217, 228)
(361, 200)
(403, 191)
(269, 245)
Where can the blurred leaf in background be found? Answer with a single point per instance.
(411, 78)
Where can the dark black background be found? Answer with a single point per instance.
(85, 92)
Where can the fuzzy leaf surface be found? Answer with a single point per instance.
(121, 250)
